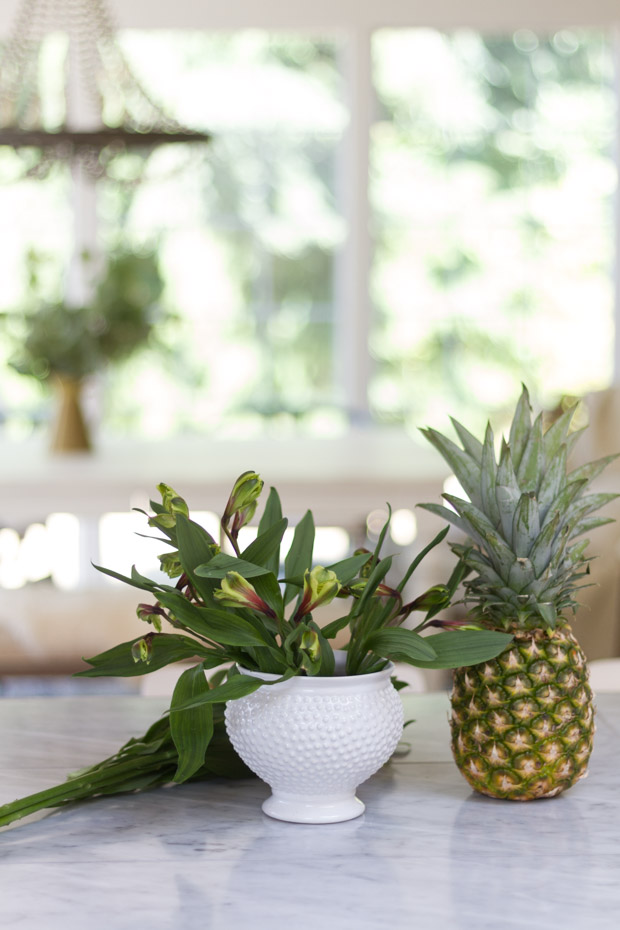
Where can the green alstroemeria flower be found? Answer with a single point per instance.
(244, 495)
(171, 501)
(310, 644)
(170, 563)
(321, 586)
(236, 591)
(142, 649)
(150, 613)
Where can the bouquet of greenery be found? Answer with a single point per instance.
(57, 338)
(232, 611)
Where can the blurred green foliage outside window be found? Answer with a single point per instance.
(493, 181)
(491, 189)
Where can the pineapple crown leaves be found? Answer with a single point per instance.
(523, 514)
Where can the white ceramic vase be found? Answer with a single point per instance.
(314, 740)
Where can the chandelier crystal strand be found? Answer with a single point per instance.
(125, 116)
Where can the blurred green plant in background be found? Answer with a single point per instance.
(57, 338)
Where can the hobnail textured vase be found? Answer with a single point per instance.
(314, 740)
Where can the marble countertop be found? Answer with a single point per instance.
(428, 853)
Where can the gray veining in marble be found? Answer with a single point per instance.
(428, 854)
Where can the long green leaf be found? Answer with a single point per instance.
(592, 470)
(531, 466)
(136, 580)
(375, 578)
(194, 540)
(196, 547)
(224, 627)
(567, 496)
(494, 544)
(446, 514)
(420, 556)
(464, 467)
(379, 544)
(165, 648)
(236, 687)
(544, 546)
(299, 556)
(191, 730)
(471, 444)
(222, 563)
(576, 553)
(488, 477)
(478, 562)
(459, 572)
(552, 483)
(555, 437)
(332, 629)
(507, 502)
(520, 428)
(401, 645)
(507, 492)
(465, 647)
(590, 523)
(265, 549)
(328, 660)
(526, 525)
(579, 509)
(272, 515)
(348, 569)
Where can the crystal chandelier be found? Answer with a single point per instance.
(104, 110)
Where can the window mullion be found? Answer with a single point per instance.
(352, 364)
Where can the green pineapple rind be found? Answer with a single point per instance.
(522, 724)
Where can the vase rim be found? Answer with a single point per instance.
(337, 681)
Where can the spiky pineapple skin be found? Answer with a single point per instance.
(523, 724)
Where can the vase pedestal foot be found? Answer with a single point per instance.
(313, 808)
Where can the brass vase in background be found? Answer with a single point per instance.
(62, 345)
(70, 433)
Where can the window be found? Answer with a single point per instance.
(480, 252)
(393, 222)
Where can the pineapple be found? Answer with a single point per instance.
(522, 724)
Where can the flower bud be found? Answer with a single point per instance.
(171, 501)
(310, 644)
(164, 521)
(321, 586)
(244, 495)
(382, 590)
(365, 569)
(142, 649)
(309, 652)
(150, 613)
(463, 623)
(170, 564)
(244, 516)
(235, 591)
(437, 596)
